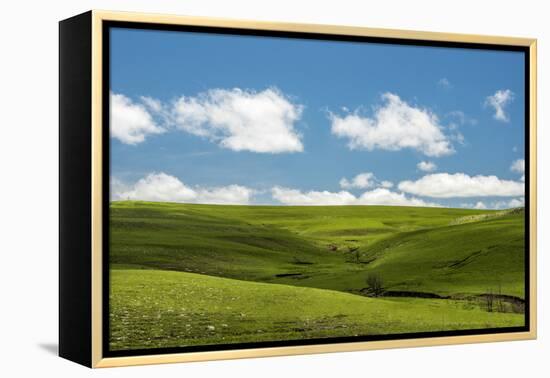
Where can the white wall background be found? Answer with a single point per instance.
(28, 190)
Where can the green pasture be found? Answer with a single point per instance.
(157, 309)
(177, 270)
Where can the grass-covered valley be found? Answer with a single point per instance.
(184, 274)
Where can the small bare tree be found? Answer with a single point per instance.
(489, 300)
(500, 302)
(375, 284)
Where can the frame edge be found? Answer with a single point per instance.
(96, 189)
(305, 350)
(533, 187)
(311, 28)
(74, 193)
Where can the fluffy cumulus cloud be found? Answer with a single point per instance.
(480, 205)
(241, 120)
(117, 187)
(166, 188)
(518, 166)
(516, 202)
(378, 196)
(236, 119)
(363, 181)
(131, 122)
(498, 102)
(395, 125)
(496, 205)
(382, 196)
(426, 166)
(446, 185)
(295, 197)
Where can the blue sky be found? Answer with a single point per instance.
(242, 119)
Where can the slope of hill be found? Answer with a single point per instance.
(156, 309)
(207, 274)
(412, 249)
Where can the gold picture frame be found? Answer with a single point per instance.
(94, 22)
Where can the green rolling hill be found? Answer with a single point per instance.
(295, 255)
(153, 308)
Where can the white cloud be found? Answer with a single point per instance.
(480, 205)
(117, 186)
(382, 196)
(518, 166)
(394, 126)
(517, 202)
(444, 83)
(513, 203)
(379, 196)
(445, 185)
(361, 181)
(241, 120)
(498, 102)
(236, 119)
(296, 197)
(426, 166)
(166, 188)
(232, 194)
(131, 122)
(152, 103)
(496, 205)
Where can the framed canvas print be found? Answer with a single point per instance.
(235, 189)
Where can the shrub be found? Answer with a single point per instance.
(375, 284)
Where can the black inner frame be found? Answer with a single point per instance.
(106, 27)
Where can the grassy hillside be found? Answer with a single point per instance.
(442, 251)
(153, 309)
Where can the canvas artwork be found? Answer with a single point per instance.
(279, 191)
